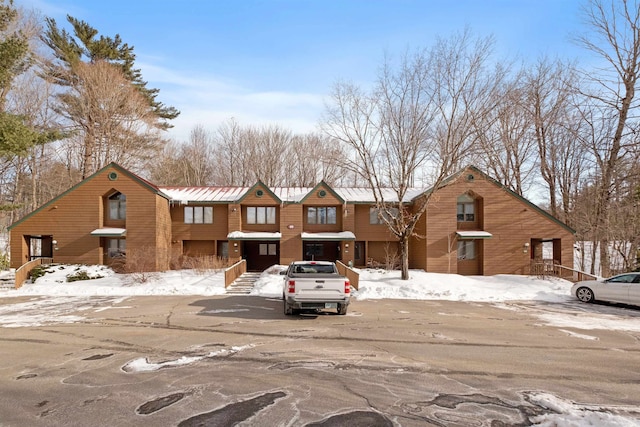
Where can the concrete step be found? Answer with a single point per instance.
(7, 280)
(243, 285)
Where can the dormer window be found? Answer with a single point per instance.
(117, 206)
(466, 208)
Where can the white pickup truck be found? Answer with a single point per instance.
(315, 285)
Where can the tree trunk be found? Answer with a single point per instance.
(404, 257)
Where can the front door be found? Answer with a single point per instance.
(321, 251)
(40, 247)
(261, 255)
(359, 256)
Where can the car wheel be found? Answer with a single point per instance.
(288, 310)
(342, 309)
(585, 294)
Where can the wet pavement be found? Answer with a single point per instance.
(227, 361)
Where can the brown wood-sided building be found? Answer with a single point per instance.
(473, 226)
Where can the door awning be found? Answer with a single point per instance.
(109, 232)
(328, 236)
(469, 235)
(254, 235)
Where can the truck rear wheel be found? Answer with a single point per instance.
(288, 310)
(342, 309)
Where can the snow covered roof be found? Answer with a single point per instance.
(187, 195)
(341, 235)
(365, 195)
(115, 232)
(254, 235)
(204, 194)
(473, 234)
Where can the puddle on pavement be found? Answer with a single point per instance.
(158, 404)
(233, 413)
(356, 418)
(98, 356)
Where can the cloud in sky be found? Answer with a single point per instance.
(275, 61)
(209, 101)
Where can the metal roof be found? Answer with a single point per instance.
(286, 194)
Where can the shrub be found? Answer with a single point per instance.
(37, 272)
(81, 275)
(4, 261)
(203, 264)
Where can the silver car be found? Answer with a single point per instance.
(623, 288)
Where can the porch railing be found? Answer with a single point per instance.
(349, 273)
(22, 273)
(235, 271)
(550, 268)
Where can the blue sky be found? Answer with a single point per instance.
(274, 61)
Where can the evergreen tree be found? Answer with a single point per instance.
(84, 45)
(15, 136)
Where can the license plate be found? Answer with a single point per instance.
(330, 305)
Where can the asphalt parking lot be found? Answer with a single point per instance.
(223, 361)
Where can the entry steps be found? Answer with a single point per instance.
(7, 279)
(243, 284)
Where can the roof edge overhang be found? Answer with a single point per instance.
(472, 235)
(328, 236)
(254, 235)
(109, 232)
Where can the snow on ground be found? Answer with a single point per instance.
(61, 298)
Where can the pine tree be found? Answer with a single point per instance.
(84, 45)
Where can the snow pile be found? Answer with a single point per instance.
(385, 284)
(105, 282)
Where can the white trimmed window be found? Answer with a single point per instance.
(198, 214)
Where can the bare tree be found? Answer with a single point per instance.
(615, 38)
(109, 117)
(197, 157)
(422, 115)
(550, 104)
(231, 153)
(313, 158)
(505, 147)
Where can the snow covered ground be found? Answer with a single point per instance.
(62, 300)
(374, 284)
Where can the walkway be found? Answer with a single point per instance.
(243, 284)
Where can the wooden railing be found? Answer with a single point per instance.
(235, 271)
(349, 273)
(22, 273)
(543, 268)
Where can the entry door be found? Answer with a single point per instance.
(321, 251)
(261, 255)
(359, 256)
(40, 247)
